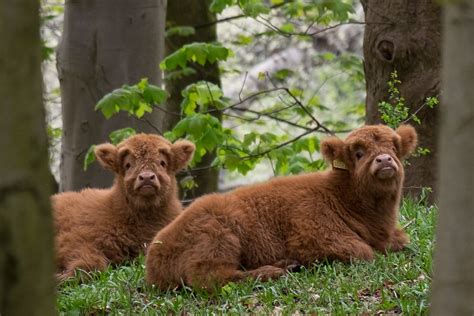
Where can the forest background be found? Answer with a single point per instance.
(255, 84)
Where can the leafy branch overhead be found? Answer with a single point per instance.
(136, 100)
(286, 107)
(200, 53)
(234, 152)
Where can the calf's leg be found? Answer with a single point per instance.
(86, 259)
(398, 240)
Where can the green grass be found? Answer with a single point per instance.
(395, 283)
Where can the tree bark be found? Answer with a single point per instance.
(196, 14)
(453, 287)
(105, 44)
(26, 243)
(404, 35)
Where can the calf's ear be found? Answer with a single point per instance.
(332, 149)
(183, 151)
(408, 139)
(107, 156)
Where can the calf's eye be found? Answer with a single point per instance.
(127, 166)
(359, 154)
(163, 163)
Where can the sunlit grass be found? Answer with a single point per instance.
(395, 283)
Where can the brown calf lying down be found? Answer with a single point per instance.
(95, 227)
(258, 231)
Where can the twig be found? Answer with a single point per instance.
(281, 144)
(160, 132)
(239, 16)
(298, 102)
(242, 87)
(276, 118)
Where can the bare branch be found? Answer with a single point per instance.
(235, 17)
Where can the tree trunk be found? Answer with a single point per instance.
(196, 14)
(453, 287)
(26, 243)
(404, 35)
(105, 44)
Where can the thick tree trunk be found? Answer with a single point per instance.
(105, 44)
(404, 35)
(453, 288)
(196, 13)
(26, 243)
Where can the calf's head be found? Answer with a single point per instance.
(145, 166)
(372, 154)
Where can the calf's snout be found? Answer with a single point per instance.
(147, 177)
(384, 160)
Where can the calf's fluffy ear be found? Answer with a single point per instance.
(107, 155)
(183, 151)
(408, 139)
(332, 149)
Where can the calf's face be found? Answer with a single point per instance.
(372, 154)
(145, 165)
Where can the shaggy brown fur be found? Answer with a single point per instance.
(259, 230)
(95, 227)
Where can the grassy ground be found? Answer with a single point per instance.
(396, 283)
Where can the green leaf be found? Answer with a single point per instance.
(195, 52)
(107, 105)
(157, 95)
(287, 28)
(188, 183)
(232, 161)
(296, 92)
(282, 74)
(197, 125)
(249, 139)
(142, 84)
(119, 135)
(254, 8)
(244, 40)
(217, 6)
(180, 31)
(210, 139)
(89, 157)
(328, 56)
(54, 132)
(179, 74)
(172, 61)
(181, 128)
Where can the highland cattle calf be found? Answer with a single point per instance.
(96, 227)
(260, 230)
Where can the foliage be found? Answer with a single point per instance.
(136, 99)
(281, 130)
(115, 137)
(395, 112)
(208, 133)
(320, 12)
(50, 13)
(200, 53)
(392, 284)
